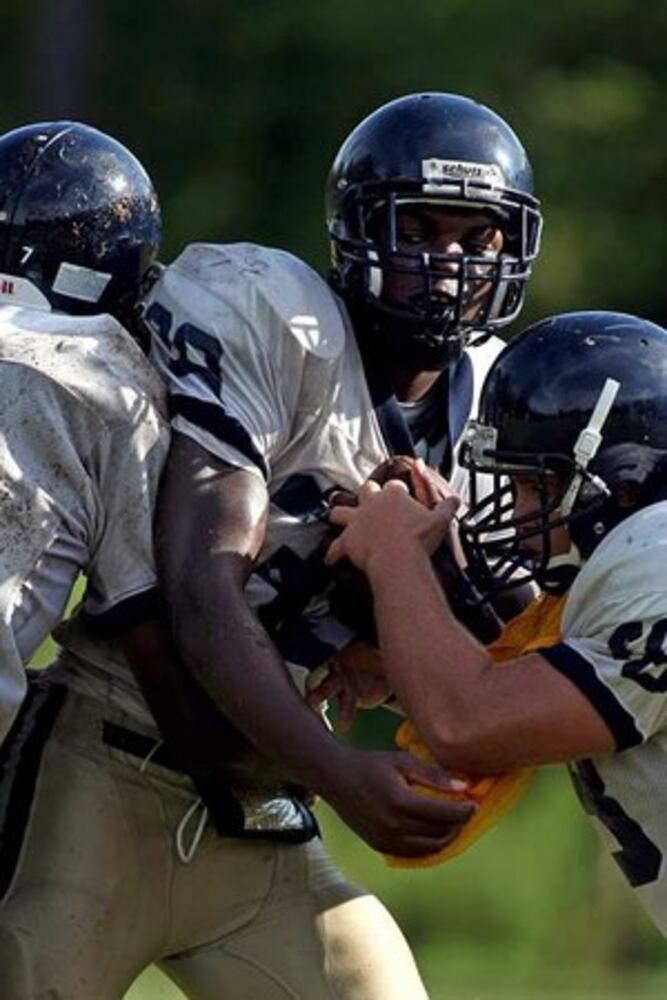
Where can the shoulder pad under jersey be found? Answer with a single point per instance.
(624, 579)
(89, 356)
(268, 289)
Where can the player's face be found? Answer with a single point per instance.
(435, 229)
(530, 497)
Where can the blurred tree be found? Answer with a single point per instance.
(61, 45)
(238, 111)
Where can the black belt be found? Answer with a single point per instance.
(233, 813)
(138, 745)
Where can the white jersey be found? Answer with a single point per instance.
(264, 372)
(83, 437)
(614, 649)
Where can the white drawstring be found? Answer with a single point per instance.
(147, 759)
(186, 855)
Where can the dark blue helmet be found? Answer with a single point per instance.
(79, 220)
(577, 403)
(438, 149)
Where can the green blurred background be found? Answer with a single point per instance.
(237, 110)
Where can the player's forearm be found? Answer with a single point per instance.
(435, 666)
(186, 717)
(210, 529)
(470, 712)
(233, 658)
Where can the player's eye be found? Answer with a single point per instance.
(412, 236)
(481, 242)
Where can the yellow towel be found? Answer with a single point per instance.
(537, 626)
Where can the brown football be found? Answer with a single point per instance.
(351, 598)
(396, 467)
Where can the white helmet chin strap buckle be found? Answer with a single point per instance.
(570, 558)
(589, 441)
(375, 276)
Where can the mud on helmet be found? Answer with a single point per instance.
(578, 405)
(441, 149)
(79, 221)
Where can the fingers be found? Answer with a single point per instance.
(436, 809)
(321, 685)
(430, 775)
(432, 809)
(370, 487)
(419, 846)
(393, 486)
(428, 485)
(344, 513)
(327, 682)
(431, 814)
(347, 707)
(393, 814)
(341, 516)
(429, 823)
(447, 508)
(342, 498)
(388, 512)
(336, 550)
(422, 492)
(423, 488)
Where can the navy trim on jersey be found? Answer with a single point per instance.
(126, 614)
(638, 857)
(300, 496)
(582, 674)
(20, 759)
(298, 642)
(430, 428)
(460, 396)
(211, 417)
(394, 428)
(457, 393)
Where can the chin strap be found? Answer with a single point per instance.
(561, 571)
(588, 442)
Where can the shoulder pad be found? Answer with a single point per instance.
(266, 288)
(90, 356)
(624, 578)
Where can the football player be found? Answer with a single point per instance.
(285, 388)
(82, 415)
(94, 810)
(573, 429)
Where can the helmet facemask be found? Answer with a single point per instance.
(505, 548)
(484, 290)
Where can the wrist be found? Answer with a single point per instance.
(385, 564)
(331, 769)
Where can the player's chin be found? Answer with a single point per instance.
(474, 303)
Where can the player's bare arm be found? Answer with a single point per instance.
(228, 651)
(206, 743)
(470, 712)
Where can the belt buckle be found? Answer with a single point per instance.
(279, 817)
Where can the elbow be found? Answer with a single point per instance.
(197, 587)
(459, 723)
(461, 735)
(453, 742)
